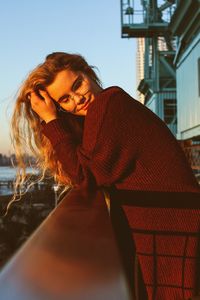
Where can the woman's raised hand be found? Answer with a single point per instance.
(45, 108)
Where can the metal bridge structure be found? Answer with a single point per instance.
(150, 19)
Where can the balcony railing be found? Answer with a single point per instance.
(72, 255)
(193, 155)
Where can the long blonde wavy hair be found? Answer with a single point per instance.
(26, 129)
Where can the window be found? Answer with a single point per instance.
(170, 111)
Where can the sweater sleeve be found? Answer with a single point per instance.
(67, 151)
(103, 151)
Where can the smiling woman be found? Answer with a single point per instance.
(63, 86)
(73, 91)
(105, 139)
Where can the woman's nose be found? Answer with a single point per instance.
(79, 99)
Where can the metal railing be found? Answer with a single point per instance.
(193, 155)
(72, 255)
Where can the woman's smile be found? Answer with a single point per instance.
(86, 104)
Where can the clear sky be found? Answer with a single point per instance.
(31, 29)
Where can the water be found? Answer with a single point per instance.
(9, 173)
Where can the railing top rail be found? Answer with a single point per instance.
(72, 255)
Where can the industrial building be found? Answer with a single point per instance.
(168, 64)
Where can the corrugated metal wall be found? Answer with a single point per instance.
(188, 98)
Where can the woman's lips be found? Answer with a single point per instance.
(85, 106)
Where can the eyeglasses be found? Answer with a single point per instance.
(79, 89)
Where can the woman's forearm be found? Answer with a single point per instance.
(66, 149)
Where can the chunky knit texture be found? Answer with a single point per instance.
(166, 240)
(127, 147)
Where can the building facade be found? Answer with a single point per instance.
(168, 64)
(185, 25)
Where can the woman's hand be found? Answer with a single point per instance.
(45, 108)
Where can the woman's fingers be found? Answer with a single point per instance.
(45, 96)
(37, 103)
(43, 106)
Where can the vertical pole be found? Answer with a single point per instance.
(121, 2)
(155, 63)
(147, 74)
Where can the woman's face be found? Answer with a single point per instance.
(73, 91)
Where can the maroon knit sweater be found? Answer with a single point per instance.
(127, 147)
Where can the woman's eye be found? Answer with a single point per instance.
(77, 84)
(65, 100)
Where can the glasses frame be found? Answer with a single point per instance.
(71, 97)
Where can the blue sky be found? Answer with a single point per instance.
(29, 30)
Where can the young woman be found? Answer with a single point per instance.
(93, 137)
